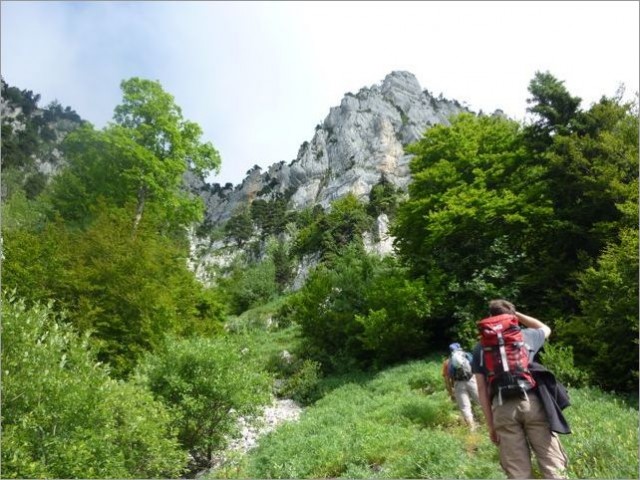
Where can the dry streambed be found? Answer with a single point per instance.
(252, 428)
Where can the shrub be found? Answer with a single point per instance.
(208, 385)
(362, 311)
(63, 417)
(559, 360)
(303, 384)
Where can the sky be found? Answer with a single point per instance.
(259, 76)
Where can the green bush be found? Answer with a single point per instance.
(129, 291)
(605, 335)
(207, 384)
(303, 384)
(362, 311)
(559, 360)
(63, 417)
(250, 285)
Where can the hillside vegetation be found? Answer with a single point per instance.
(118, 363)
(399, 422)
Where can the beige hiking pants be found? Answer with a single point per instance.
(465, 393)
(522, 426)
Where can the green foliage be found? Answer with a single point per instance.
(554, 107)
(270, 216)
(207, 384)
(249, 285)
(138, 162)
(383, 198)
(605, 335)
(475, 211)
(280, 253)
(499, 211)
(239, 227)
(302, 383)
(559, 359)
(21, 212)
(330, 232)
(63, 417)
(128, 291)
(361, 310)
(604, 442)
(29, 136)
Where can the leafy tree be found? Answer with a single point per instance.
(605, 334)
(138, 161)
(64, 417)
(249, 285)
(208, 385)
(330, 232)
(383, 198)
(361, 311)
(128, 291)
(150, 117)
(476, 211)
(591, 173)
(280, 253)
(270, 216)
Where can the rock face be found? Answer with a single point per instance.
(359, 141)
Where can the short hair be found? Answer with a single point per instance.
(500, 306)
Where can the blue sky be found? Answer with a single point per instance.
(259, 76)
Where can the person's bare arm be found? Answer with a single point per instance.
(448, 383)
(485, 403)
(531, 322)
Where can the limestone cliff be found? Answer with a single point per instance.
(359, 141)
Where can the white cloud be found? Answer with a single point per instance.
(258, 76)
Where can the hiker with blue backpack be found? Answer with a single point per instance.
(460, 382)
(521, 400)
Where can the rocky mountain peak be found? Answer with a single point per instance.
(360, 141)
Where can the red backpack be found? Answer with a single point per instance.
(505, 356)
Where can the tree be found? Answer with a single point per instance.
(128, 291)
(605, 333)
(239, 227)
(138, 159)
(362, 311)
(383, 198)
(208, 384)
(475, 212)
(553, 106)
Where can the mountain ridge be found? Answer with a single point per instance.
(359, 142)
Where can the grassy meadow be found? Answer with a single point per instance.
(400, 423)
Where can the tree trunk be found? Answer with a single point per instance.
(142, 195)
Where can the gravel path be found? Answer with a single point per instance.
(253, 428)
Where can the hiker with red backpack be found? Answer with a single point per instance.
(460, 382)
(522, 414)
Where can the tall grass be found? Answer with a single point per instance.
(400, 423)
(397, 424)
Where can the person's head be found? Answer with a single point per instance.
(455, 346)
(499, 307)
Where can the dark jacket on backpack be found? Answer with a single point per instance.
(553, 395)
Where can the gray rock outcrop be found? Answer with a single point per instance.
(360, 141)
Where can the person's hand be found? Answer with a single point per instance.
(494, 436)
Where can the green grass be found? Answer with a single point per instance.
(400, 423)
